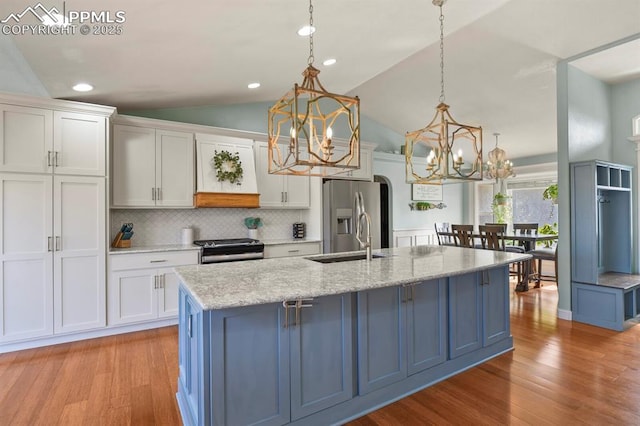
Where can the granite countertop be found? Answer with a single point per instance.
(153, 249)
(290, 241)
(227, 285)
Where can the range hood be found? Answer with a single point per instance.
(212, 192)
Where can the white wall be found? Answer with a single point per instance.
(392, 166)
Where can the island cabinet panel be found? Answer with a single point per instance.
(426, 326)
(495, 306)
(250, 358)
(401, 331)
(478, 310)
(321, 356)
(381, 341)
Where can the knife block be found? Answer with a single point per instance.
(118, 242)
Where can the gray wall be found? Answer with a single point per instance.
(253, 117)
(16, 75)
(589, 117)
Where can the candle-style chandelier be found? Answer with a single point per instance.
(302, 123)
(452, 151)
(498, 167)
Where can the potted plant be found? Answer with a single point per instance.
(548, 229)
(252, 224)
(501, 208)
(551, 193)
(500, 199)
(422, 205)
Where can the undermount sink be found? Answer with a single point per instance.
(345, 258)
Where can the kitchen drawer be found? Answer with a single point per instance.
(162, 259)
(293, 249)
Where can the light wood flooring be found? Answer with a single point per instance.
(560, 373)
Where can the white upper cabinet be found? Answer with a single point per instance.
(26, 137)
(365, 172)
(207, 146)
(79, 144)
(152, 167)
(134, 166)
(279, 191)
(175, 173)
(37, 140)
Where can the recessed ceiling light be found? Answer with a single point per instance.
(83, 87)
(306, 30)
(253, 85)
(329, 62)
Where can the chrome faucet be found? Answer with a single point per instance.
(367, 243)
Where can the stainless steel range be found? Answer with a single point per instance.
(229, 250)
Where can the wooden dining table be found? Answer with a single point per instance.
(529, 242)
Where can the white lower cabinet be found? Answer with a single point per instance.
(293, 249)
(52, 258)
(143, 286)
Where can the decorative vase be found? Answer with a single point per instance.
(253, 234)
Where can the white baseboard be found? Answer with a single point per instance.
(92, 334)
(565, 315)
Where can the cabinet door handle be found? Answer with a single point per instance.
(158, 194)
(486, 279)
(158, 261)
(287, 305)
(294, 251)
(153, 194)
(162, 281)
(286, 197)
(55, 163)
(49, 243)
(49, 158)
(57, 243)
(189, 326)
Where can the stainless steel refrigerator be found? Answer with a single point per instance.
(340, 213)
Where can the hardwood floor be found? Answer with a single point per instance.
(560, 373)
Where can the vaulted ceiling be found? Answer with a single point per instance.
(500, 56)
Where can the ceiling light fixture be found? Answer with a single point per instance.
(302, 124)
(329, 62)
(83, 87)
(253, 85)
(453, 151)
(498, 167)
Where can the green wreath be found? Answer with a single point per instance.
(228, 167)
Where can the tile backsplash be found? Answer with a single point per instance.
(164, 226)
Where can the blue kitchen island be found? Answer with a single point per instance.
(319, 340)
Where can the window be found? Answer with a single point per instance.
(527, 204)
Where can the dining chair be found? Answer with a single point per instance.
(492, 236)
(444, 240)
(462, 235)
(527, 229)
(540, 254)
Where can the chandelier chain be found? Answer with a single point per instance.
(441, 55)
(311, 58)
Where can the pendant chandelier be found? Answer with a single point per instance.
(498, 167)
(451, 150)
(302, 123)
